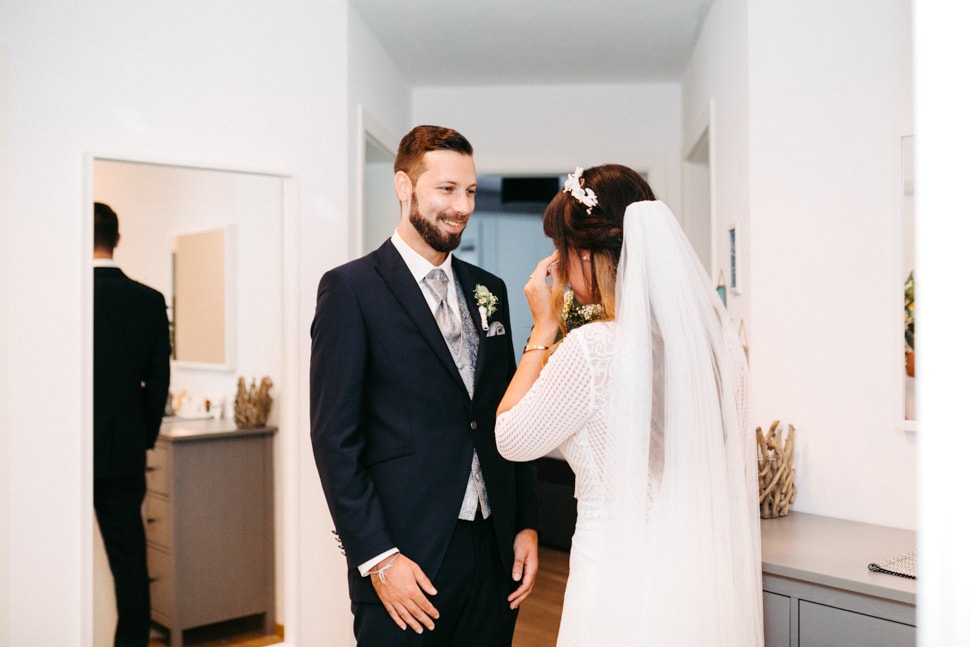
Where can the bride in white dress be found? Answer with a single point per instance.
(647, 403)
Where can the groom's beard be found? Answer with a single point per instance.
(439, 241)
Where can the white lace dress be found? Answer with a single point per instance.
(576, 379)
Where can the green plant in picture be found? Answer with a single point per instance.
(909, 318)
(908, 303)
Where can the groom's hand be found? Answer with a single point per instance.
(401, 586)
(526, 552)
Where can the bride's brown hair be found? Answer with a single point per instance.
(600, 231)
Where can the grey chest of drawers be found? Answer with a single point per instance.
(819, 592)
(209, 525)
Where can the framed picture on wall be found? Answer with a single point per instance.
(733, 247)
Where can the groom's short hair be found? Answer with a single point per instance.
(423, 139)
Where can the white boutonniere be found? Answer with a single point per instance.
(486, 302)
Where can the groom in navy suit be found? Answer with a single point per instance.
(411, 353)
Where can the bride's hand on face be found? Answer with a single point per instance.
(545, 328)
(538, 292)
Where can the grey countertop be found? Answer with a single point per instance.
(836, 553)
(176, 429)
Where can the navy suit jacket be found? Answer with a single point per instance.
(392, 425)
(131, 372)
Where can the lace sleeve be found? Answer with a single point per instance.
(556, 407)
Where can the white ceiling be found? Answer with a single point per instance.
(536, 42)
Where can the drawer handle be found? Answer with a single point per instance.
(151, 520)
(150, 468)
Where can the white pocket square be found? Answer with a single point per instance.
(496, 328)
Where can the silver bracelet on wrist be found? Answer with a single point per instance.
(380, 572)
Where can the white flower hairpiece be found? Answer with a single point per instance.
(574, 185)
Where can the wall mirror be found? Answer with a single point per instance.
(212, 241)
(203, 297)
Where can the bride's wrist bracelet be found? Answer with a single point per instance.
(535, 347)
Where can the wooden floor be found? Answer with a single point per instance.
(538, 623)
(246, 632)
(537, 626)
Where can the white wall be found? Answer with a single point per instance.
(255, 86)
(830, 99)
(715, 96)
(810, 104)
(553, 129)
(379, 101)
(376, 82)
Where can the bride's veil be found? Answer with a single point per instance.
(681, 482)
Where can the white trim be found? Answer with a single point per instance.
(87, 402)
(703, 128)
(288, 439)
(712, 167)
(367, 126)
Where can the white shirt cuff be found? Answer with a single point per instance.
(367, 566)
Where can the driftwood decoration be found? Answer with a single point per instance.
(776, 476)
(253, 404)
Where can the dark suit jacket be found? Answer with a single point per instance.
(392, 425)
(131, 372)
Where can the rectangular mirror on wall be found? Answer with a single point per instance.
(202, 297)
(212, 242)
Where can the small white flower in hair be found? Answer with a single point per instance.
(574, 185)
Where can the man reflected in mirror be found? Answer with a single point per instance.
(131, 380)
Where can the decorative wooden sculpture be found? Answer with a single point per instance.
(253, 404)
(776, 475)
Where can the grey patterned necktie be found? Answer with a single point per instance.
(450, 327)
(463, 352)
